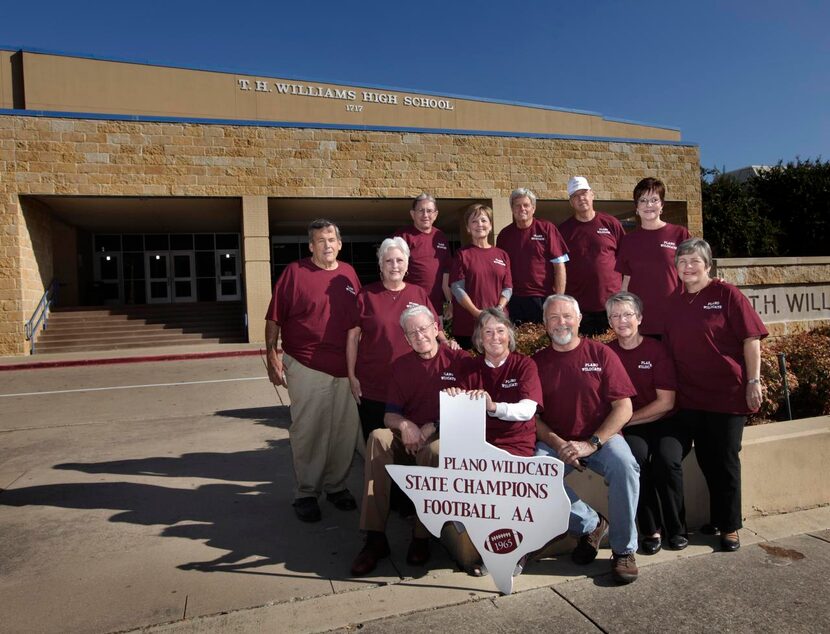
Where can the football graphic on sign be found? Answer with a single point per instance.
(502, 541)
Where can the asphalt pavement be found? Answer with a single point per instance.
(156, 496)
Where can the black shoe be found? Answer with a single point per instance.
(710, 529)
(678, 542)
(307, 509)
(418, 553)
(588, 545)
(651, 545)
(342, 500)
(730, 542)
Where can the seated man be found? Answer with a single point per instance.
(586, 397)
(411, 433)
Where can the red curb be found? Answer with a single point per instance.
(39, 365)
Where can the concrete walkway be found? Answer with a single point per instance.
(156, 496)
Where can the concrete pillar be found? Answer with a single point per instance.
(256, 253)
(502, 215)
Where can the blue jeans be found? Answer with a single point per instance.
(616, 464)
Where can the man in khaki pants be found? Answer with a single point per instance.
(313, 306)
(410, 435)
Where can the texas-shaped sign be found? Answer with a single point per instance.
(509, 505)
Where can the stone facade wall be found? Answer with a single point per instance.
(772, 284)
(62, 156)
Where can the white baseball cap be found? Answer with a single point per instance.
(576, 183)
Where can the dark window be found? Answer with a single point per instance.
(181, 242)
(133, 266)
(205, 264)
(227, 240)
(133, 242)
(204, 241)
(107, 243)
(157, 242)
(206, 289)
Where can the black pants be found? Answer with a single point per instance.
(717, 438)
(595, 323)
(659, 448)
(371, 416)
(526, 310)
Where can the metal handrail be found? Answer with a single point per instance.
(41, 314)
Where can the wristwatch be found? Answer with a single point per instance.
(596, 442)
(754, 382)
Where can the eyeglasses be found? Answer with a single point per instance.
(423, 331)
(426, 212)
(621, 316)
(649, 201)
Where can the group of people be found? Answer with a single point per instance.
(684, 369)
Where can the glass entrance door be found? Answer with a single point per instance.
(227, 275)
(183, 279)
(158, 277)
(108, 278)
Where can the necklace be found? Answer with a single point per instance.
(694, 297)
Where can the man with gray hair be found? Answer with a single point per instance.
(537, 258)
(314, 306)
(429, 252)
(586, 401)
(410, 435)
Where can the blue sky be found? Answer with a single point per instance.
(747, 81)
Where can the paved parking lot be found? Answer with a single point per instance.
(158, 495)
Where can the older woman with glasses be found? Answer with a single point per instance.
(509, 381)
(658, 442)
(715, 335)
(646, 255)
(377, 341)
(480, 275)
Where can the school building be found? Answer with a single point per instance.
(125, 184)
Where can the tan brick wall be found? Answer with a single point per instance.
(41, 155)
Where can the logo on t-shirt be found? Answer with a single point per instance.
(668, 244)
(644, 365)
(538, 236)
(350, 288)
(713, 306)
(508, 383)
(499, 261)
(446, 375)
(591, 367)
(441, 245)
(604, 231)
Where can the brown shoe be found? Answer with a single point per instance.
(375, 549)
(624, 568)
(586, 550)
(418, 553)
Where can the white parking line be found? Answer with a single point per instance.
(134, 387)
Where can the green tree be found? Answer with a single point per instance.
(733, 222)
(797, 195)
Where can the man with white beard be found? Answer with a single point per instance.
(586, 401)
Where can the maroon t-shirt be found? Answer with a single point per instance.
(486, 272)
(592, 259)
(516, 379)
(381, 337)
(579, 386)
(531, 251)
(315, 308)
(429, 259)
(705, 335)
(416, 383)
(650, 368)
(647, 256)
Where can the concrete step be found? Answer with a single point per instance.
(91, 347)
(116, 327)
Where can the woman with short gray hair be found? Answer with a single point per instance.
(377, 340)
